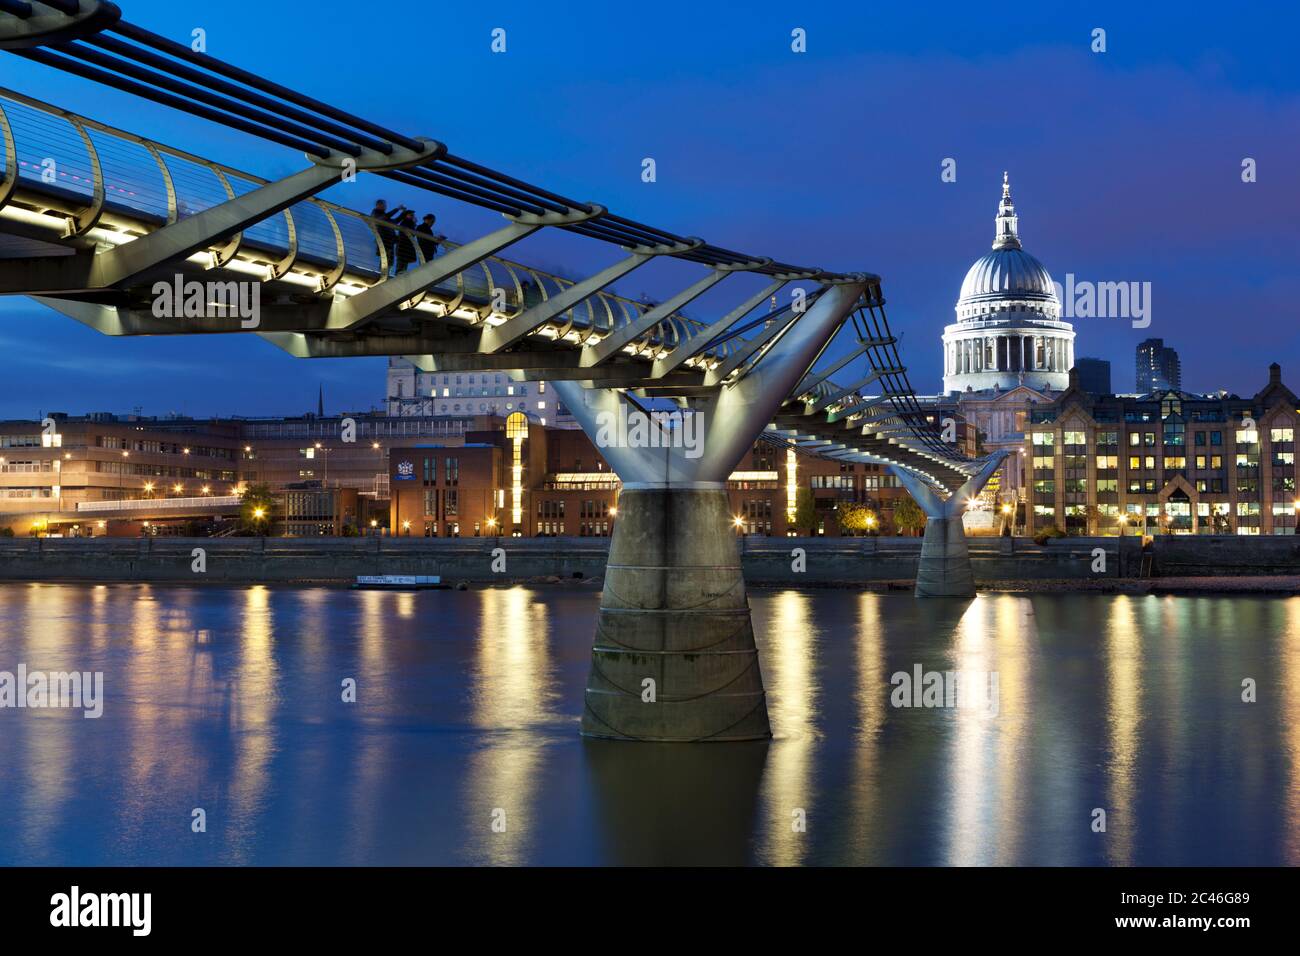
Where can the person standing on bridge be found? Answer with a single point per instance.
(429, 246)
(387, 235)
(405, 250)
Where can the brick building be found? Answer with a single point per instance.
(567, 488)
(1165, 462)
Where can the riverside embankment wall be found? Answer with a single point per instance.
(766, 560)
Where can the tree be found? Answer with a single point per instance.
(805, 511)
(1094, 518)
(908, 514)
(855, 518)
(255, 509)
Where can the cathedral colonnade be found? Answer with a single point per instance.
(1019, 352)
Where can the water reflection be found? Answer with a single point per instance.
(1123, 720)
(468, 703)
(1288, 722)
(789, 672)
(513, 689)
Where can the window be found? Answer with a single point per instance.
(1134, 438)
(1105, 462)
(451, 503)
(453, 471)
(431, 501)
(1134, 463)
(1044, 438)
(1075, 438)
(1281, 434)
(1216, 438)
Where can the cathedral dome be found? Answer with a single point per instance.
(1009, 329)
(1006, 273)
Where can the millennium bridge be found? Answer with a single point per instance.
(95, 221)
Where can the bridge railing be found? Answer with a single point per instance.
(97, 175)
(157, 504)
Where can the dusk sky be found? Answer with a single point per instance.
(1125, 165)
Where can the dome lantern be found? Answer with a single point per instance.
(1007, 236)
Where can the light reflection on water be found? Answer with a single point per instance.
(230, 700)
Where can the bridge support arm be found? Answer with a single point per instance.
(944, 568)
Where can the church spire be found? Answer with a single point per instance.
(1007, 236)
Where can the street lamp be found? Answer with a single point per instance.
(1006, 520)
(406, 527)
(325, 459)
(1123, 520)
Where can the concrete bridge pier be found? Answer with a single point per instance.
(674, 657)
(944, 569)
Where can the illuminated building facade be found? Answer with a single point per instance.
(1166, 462)
(567, 488)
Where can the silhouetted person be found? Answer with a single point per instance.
(387, 236)
(405, 248)
(429, 246)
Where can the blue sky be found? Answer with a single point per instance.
(1125, 166)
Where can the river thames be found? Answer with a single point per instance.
(462, 746)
